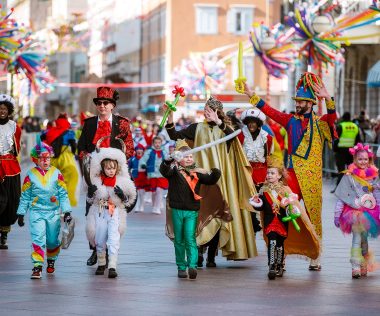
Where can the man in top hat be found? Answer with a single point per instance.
(105, 124)
(306, 135)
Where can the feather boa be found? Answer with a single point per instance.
(367, 174)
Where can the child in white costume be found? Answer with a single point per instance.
(112, 194)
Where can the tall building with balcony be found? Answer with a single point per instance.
(172, 30)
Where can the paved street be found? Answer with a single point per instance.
(148, 284)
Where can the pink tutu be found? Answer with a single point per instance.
(360, 220)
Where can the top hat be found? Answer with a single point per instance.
(106, 93)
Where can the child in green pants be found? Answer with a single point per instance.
(185, 180)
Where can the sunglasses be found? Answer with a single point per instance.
(99, 103)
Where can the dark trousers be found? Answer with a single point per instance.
(10, 192)
(212, 246)
(343, 159)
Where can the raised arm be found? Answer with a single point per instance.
(276, 115)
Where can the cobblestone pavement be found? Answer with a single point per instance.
(148, 284)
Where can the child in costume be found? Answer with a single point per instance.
(139, 177)
(275, 200)
(151, 162)
(112, 195)
(358, 207)
(184, 185)
(44, 194)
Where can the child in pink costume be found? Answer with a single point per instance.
(358, 208)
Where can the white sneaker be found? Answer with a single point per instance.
(157, 212)
(140, 210)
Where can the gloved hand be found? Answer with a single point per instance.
(119, 192)
(91, 190)
(67, 217)
(20, 220)
(177, 156)
(336, 222)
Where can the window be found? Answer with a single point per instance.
(206, 19)
(162, 68)
(239, 20)
(163, 23)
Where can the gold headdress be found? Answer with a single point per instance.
(181, 143)
(274, 162)
(215, 104)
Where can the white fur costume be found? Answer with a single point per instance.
(101, 228)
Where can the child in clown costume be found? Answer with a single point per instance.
(358, 208)
(112, 195)
(44, 194)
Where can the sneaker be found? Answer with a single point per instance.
(50, 266)
(356, 273)
(192, 273)
(112, 273)
(36, 272)
(140, 210)
(157, 212)
(182, 274)
(100, 270)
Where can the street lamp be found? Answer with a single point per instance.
(321, 23)
(267, 43)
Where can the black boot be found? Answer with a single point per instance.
(100, 270)
(200, 257)
(255, 223)
(93, 259)
(272, 259)
(112, 273)
(212, 251)
(107, 258)
(280, 261)
(3, 240)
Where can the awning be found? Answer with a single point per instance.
(373, 77)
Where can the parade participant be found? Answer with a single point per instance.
(111, 195)
(306, 135)
(10, 185)
(103, 125)
(139, 177)
(151, 162)
(184, 199)
(257, 145)
(44, 195)
(349, 136)
(62, 139)
(274, 200)
(236, 238)
(138, 137)
(358, 207)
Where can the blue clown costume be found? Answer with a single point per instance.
(44, 194)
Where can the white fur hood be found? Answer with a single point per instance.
(123, 179)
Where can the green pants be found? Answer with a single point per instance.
(184, 226)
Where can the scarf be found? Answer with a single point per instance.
(104, 129)
(191, 178)
(109, 182)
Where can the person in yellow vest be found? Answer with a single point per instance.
(349, 136)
